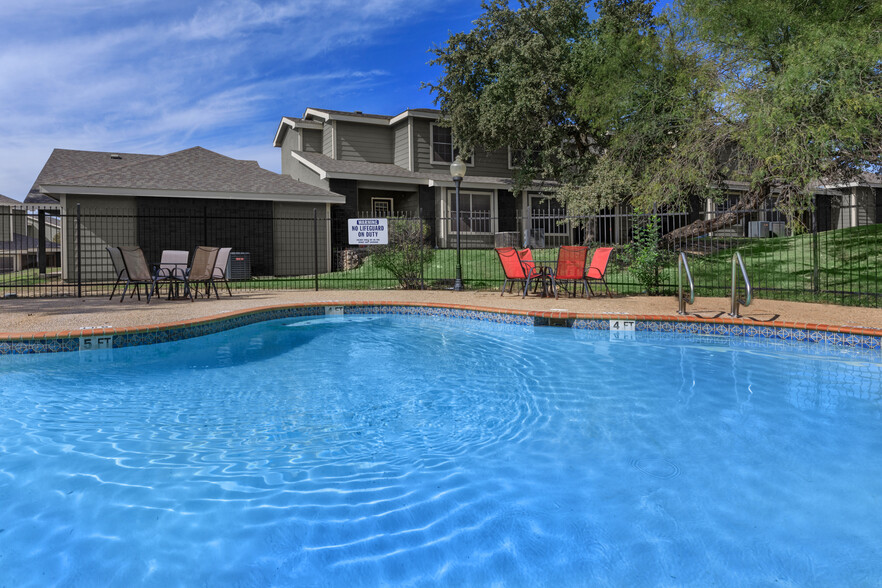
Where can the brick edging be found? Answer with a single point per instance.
(69, 340)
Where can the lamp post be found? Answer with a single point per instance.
(458, 172)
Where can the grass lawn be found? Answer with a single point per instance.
(779, 268)
(782, 267)
(30, 277)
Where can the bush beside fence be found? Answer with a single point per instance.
(839, 265)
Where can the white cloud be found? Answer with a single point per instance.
(147, 76)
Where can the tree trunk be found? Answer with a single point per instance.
(748, 201)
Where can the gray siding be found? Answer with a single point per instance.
(402, 152)
(106, 221)
(300, 172)
(312, 140)
(491, 163)
(5, 223)
(20, 221)
(328, 140)
(294, 239)
(361, 142)
(290, 143)
(865, 200)
(494, 164)
(422, 147)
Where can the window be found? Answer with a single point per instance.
(474, 212)
(517, 157)
(442, 146)
(730, 201)
(381, 207)
(546, 213)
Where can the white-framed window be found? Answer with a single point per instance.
(475, 210)
(382, 207)
(442, 146)
(516, 157)
(547, 213)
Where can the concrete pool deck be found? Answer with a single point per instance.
(24, 317)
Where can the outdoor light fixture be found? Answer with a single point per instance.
(458, 172)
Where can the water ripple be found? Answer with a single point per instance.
(309, 452)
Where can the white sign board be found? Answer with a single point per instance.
(622, 330)
(368, 231)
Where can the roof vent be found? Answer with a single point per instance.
(115, 156)
(358, 112)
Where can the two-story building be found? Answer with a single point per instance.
(400, 165)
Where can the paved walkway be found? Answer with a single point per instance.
(23, 315)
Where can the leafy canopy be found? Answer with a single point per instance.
(659, 109)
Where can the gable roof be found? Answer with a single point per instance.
(312, 116)
(191, 173)
(24, 243)
(65, 163)
(327, 167)
(355, 115)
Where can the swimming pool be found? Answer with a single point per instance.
(385, 449)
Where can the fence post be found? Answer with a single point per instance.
(315, 245)
(816, 249)
(79, 254)
(422, 263)
(41, 237)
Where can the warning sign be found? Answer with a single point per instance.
(368, 231)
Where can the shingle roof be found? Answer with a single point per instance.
(191, 170)
(336, 166)
(331, 165)
(23, 242)
(8, 200)
(67, 163)
(352, 113)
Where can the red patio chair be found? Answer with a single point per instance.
(597, 270)
(571, 268)
(515, 270)
(531, 271)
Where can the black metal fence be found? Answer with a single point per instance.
(831, 256)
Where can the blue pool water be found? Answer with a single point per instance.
(371, 450)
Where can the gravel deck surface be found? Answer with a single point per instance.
(23, 315)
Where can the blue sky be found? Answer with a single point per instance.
(154, 76)
(158, 76)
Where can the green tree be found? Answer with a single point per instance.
(659, 110)
(509, 83)
(803, 85)
(653, 101)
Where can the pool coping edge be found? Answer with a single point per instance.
(70, 340)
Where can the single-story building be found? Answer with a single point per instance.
(19, 237)
(179, 201)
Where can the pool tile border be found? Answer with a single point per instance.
(778, 331)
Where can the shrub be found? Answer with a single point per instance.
(646, 254)
(406, 253)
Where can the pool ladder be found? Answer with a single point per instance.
(737, 302)
(681, 265)
(748, 291)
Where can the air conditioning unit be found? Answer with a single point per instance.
(534, 238)
(758, 229)
(777, 228)
(239, 266)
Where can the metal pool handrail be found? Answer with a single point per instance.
(748, 298)
(682, 263)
